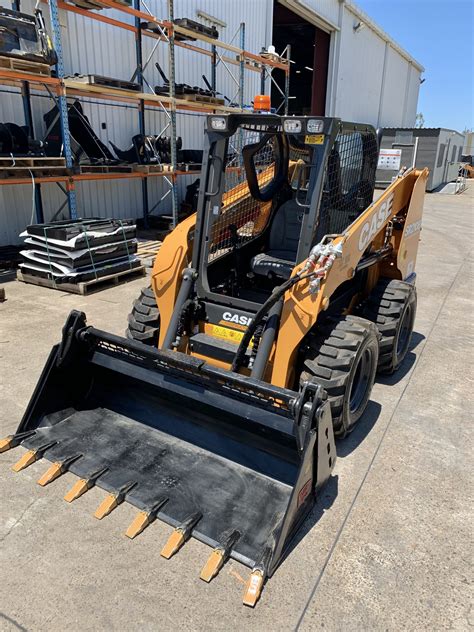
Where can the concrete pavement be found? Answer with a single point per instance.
(388, 546)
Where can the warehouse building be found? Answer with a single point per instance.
(343, 65)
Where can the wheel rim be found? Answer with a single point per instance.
(404, 333)
(361, 381)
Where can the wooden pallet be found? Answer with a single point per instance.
(165, 168)
(83, 287)
(35, 172)
(25, 65)
(148, 248)
(82, 169)
(106, 82)
(201, 98)
(31, 161)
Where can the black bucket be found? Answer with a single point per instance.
(221, 454)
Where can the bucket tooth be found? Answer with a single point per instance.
(113, 500)
(14, 439)
(83, 484)
(253, 588)
(213, 565)
(180, 535)
(218, 557)
(31, 456)
(144, 518)
(57, 469)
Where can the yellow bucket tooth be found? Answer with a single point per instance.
(213, 565)
(219, 556)
(80, 487)
(6, 443)
(31, 456)
(253, 588)
(13, 440)
(174, 543)
(140, 522)
(113, 500)
(56, 469)
(106, 506)
(180, 535)
(27, 459)
(144, 518)
(51, 474)
(83, 484)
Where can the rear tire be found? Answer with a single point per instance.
(144, 321)
(343, 357)
(392, 307)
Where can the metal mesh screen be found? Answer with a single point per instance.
(349, 182)
(241, 217)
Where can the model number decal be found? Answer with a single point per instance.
(372, 226)
(412, 228)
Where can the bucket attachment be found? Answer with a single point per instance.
(233, 461)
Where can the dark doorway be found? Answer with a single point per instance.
(310, 54)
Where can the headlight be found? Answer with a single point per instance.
(314, 126)
(218, 123)
(292, 126)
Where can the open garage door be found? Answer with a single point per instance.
(310, 57)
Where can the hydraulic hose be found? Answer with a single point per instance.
(275, 296)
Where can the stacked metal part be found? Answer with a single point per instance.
(79, 251)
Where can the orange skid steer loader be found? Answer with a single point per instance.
(269, 313)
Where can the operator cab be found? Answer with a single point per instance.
(272, 188)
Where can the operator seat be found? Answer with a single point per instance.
(280, 259)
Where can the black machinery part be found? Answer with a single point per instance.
(245, 455)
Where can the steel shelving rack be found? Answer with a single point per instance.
(59, 88)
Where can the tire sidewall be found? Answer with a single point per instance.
(348, 419)
(411, 302)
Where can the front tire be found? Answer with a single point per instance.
(144, 321)
(343, 357)
(392, 307)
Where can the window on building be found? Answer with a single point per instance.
(442, 149)
(453, 154)
(460, 154)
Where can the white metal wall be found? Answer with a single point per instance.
(374, 81)
(93, 47)
(359, 75)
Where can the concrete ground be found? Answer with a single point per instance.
(388, 546)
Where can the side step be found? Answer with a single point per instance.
(216, 348)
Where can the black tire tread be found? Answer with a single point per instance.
(333, 349)
(384, 307)
(144, 320)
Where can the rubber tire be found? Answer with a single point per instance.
(390, 303)
(333, 357)
(144, 321)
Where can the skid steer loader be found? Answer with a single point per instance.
(269, 312)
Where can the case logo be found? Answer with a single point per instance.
(237, 319)
(373, 225)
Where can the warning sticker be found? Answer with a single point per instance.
(314, 139)
(227, 334)
(389, 159)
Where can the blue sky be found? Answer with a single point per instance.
(438, 34)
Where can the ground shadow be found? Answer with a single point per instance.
(324, 500)
(363, 427)
(407, 364)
